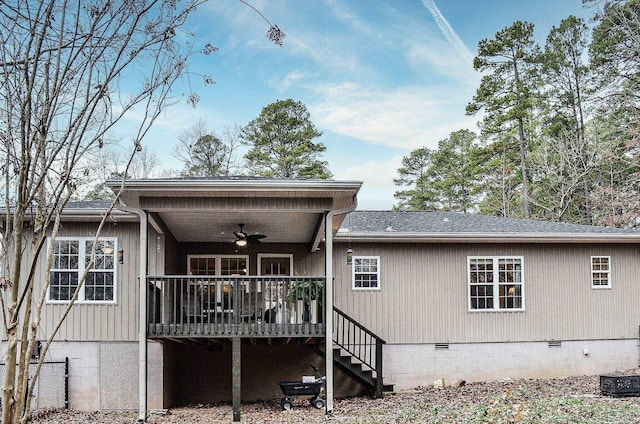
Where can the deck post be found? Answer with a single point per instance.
(328, 310)
(379, 385)
(236, 344)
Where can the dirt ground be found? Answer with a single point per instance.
(559, 400)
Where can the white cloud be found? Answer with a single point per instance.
(447, 31)
(406, 117)
(377, 192)
(437, 57)
(340, 12)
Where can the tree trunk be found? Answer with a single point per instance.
(10, 376)
(9, 413)
(525, 171)
(587, 202)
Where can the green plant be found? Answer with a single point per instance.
(306, 289)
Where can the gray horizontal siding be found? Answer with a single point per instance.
(423, 296)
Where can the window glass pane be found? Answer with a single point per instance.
(96, 285)
(98, 263)
(65, 254)
(63, 285)
(482, 297)
(89, 293)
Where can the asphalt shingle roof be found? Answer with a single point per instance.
(427, 222)
(90, 204)
(452, 222)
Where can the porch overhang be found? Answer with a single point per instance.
(210, 209)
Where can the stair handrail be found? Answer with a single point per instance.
(366, 359)
(357, 324)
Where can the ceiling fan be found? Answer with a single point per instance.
(242, 238)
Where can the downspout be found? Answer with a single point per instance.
(142, 313)
(328, 313)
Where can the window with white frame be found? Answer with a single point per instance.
(600, 272)
(366, 272)
(71, 256)
(496, 283)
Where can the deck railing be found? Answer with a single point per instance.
(205, 306)
(360, 343)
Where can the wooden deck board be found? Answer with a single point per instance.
(205, 330)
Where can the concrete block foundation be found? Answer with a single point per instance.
(413, 365)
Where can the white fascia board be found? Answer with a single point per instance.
(236, 185)
(83, 214)
(87, 215)
(487, 237)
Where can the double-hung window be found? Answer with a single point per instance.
(496, 283)
(366, 272)
(601, 272)
(71, 256)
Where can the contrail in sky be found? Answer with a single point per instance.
(447, 31)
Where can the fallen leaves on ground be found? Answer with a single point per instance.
(568, 400)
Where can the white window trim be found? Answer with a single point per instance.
(81, 260)
(496, 283)
(353, 274)
(608, 272)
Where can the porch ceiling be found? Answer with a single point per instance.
(212, 226)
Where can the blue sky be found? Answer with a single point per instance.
(380, 78)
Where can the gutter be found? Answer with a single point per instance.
(86, 215)
(142, 312)
(161, 185)
(397, 237)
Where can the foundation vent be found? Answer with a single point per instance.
(555, 343)
(442, 346)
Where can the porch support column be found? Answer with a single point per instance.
(142, 329)
(236, 381)
(328, 313)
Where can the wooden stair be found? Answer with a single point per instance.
(358, 350)
(358, 370)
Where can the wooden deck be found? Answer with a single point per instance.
(238, 306)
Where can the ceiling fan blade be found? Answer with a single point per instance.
(251, 238)
(240, 234)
